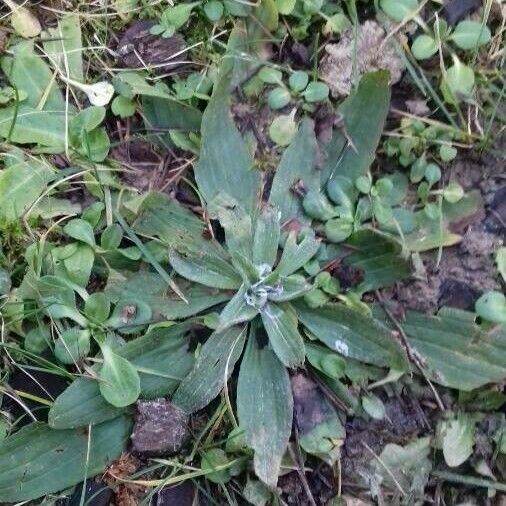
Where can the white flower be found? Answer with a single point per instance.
(99, 94)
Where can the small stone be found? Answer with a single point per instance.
(161, 428)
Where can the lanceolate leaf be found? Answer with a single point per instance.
(152, 289)
(164, 352)
(297, 165)
(164, 114)
(212, 369)
(458, 352)
(46, 128)
(264, 407)
(205, 268)
(266, 238)
(295, 255)
(21, 183)
(37, 460)
(364, 116)
(237, 310)
(280, 322)
(168, 220)
(352, 334)
(225, 164)
(27, 71)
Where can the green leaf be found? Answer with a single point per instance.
(298, 163)
(270, 75)
(153, 291)
(72, 345)
(37, 460)
(264, 407)
(178, 15)
(458, 352)
(213, 367)
(398, 10)
(283, 129)
(298, 80)
(211, 459)
(164, 114)
(447, 152)
(266, 236)
(459, 81)
(492, 307)
(123, 107)
(214, 10)
(458, 439)
(364, 114)
(21, 183)
(28, 71)
(280, 322)
(97, 307)
(292, 287)
(111, 237)
(78, 266)
(63, 44)
(119, 381)
(316, 92)
(453, 192)
(162, 353)
(470, 34)
(379, 257)
(338, 23)
(423, 47)
(285, 6)
(278, 98)
(237, 310)
(225, 164)
(80, 230)
(374, 406)
(45, 128)
(296, 255)
(353, 334)
(205, 268)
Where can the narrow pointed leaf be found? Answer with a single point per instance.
(205, 268)
(298, 164)
(37, 460)
(292, 287)
(459, 353)
(212, 369)
(237, 310)
(280, 322)
(153, 291)
(353, 334)
(296, 255)
(364, 115)
(266, 238)
(225, 164)
(265, 408)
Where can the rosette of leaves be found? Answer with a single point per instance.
(268, 241)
